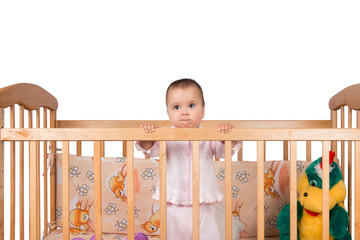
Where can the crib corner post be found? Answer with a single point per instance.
(2, 215)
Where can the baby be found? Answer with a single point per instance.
(186, 108)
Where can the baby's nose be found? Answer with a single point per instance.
(185, 112)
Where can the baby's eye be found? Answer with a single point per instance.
(177, 107)
(191, 105)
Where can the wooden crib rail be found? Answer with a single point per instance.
(204, 123)
(179, 134)
(195, 135)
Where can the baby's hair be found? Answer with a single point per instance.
(185, 83)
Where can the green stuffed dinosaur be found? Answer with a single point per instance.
(309, 205)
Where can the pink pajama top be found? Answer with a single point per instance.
(179, 170)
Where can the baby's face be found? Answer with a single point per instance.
(184, 107)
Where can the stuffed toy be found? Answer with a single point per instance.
(139, 236)
(309, 205)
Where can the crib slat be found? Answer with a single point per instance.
(349, 175)
(30, 125)
(357, 181)
(21, 173)
(334, 121)
(325, 189)
(195, 186)
(45, 178)
(308, 151)
(38, 175)
(102, 148)
(293, 190)
(124, 143)
(30, 118)
(2, 215)
(33, 189)
(65, 190)
(97, 166)
(78, 148)
(163, 200)
(240, 152)
(264, 151)
(260, 189)
(52, 172)
(286, 150)
(357, 190)
(342, 158)
(130, 189)
(228, 192)
(13, 176)
(36, 183)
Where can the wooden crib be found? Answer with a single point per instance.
(29, 128)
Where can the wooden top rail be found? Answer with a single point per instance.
(178, 134)
(349, 96)
(28, 95)
(204, 123)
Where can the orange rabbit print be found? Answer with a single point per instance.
(276, 180)
(153, 224)
(276, 176)
(269, 183)
(80, 220)
(117, 184)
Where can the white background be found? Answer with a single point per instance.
(115, 59)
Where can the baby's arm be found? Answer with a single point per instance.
(149, 128)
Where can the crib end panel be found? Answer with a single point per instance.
(23, 94)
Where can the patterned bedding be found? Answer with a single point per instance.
(114, 186)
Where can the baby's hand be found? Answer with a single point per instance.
(148, 127)
(225, 127)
